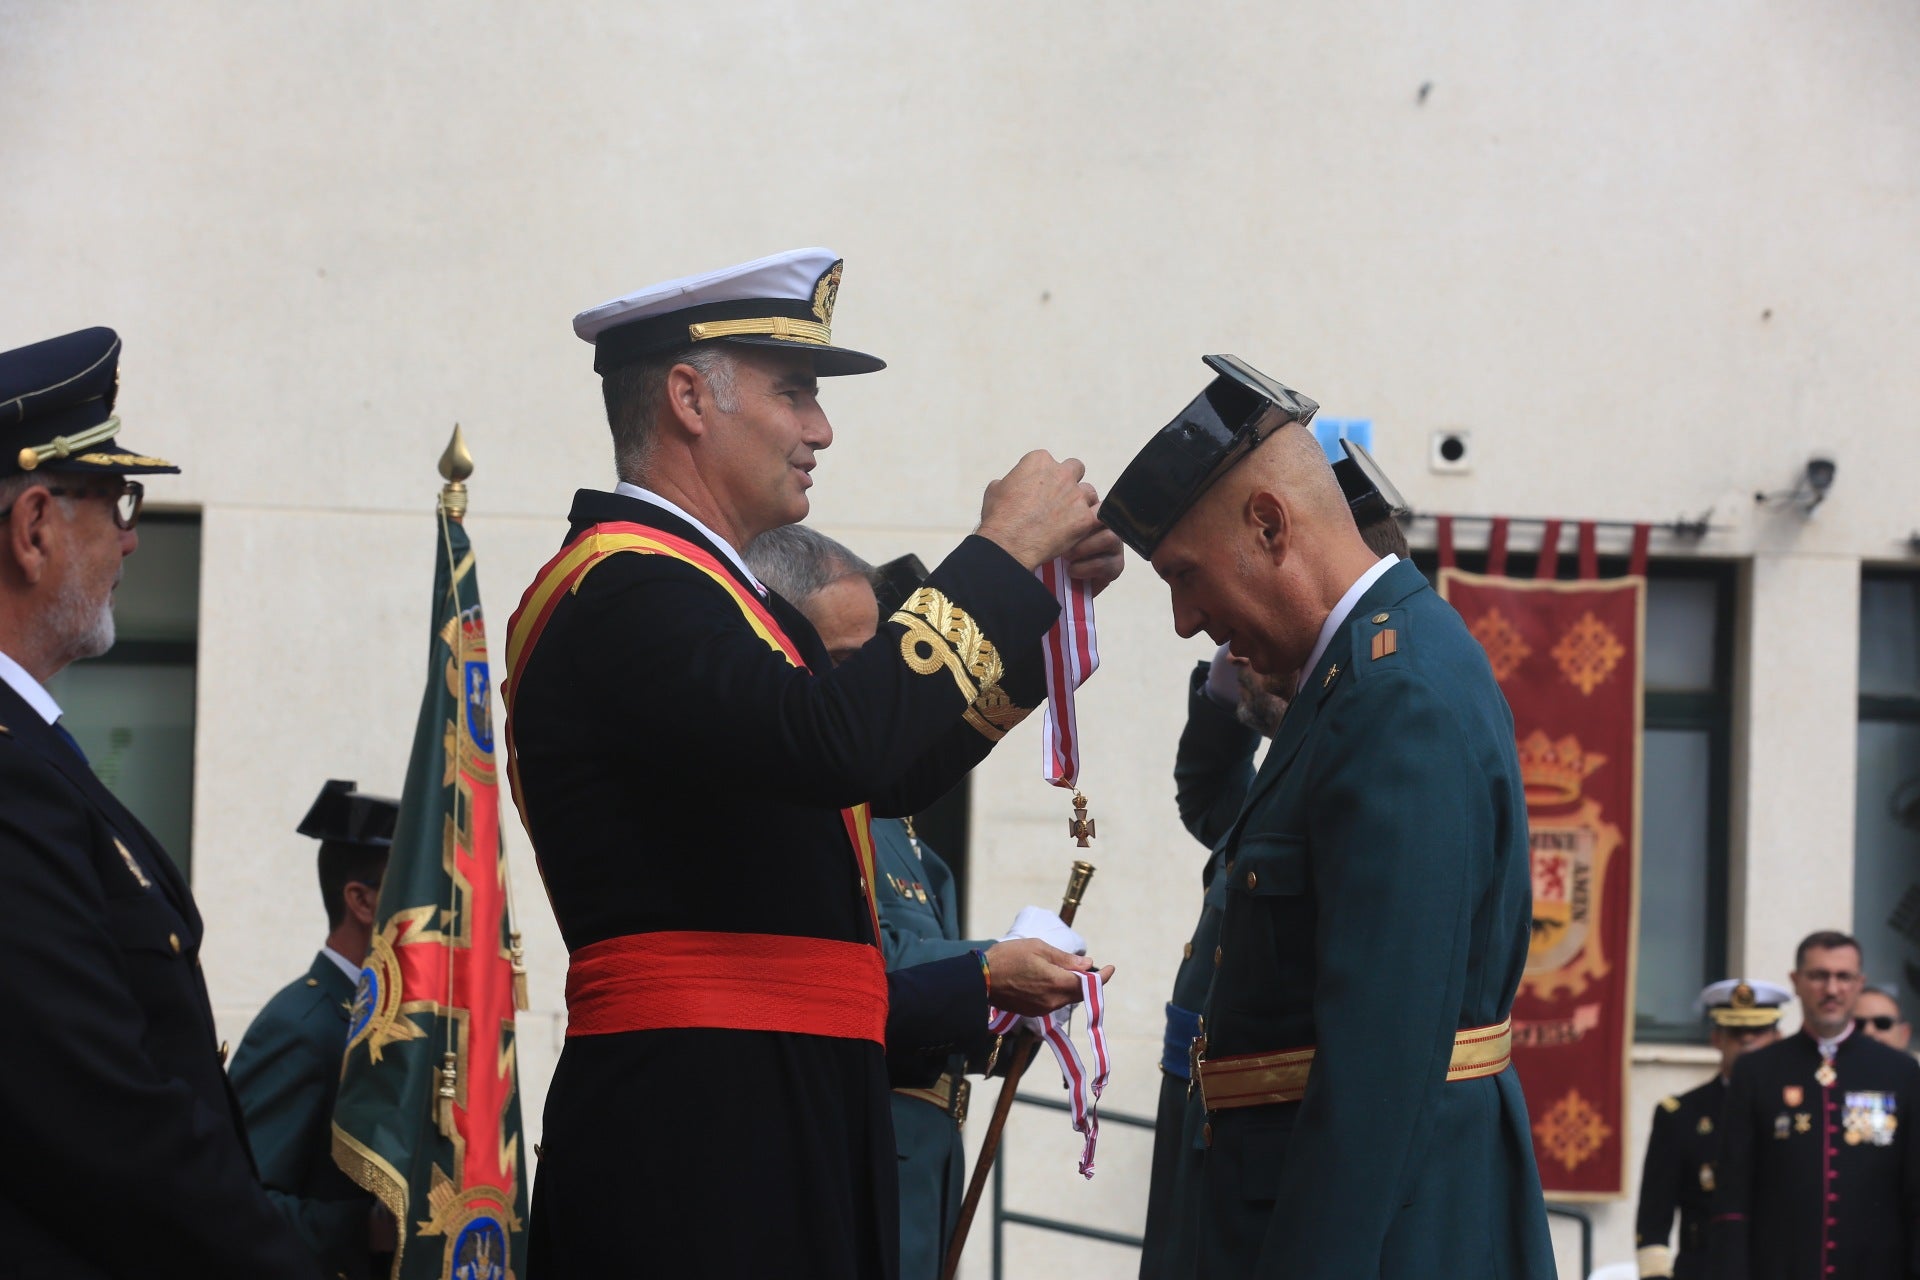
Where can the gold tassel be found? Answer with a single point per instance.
(519, 972)
(449, 1093)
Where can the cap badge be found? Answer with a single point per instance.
(1742, 997)
(825, 291)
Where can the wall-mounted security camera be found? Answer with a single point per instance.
(1451, 451)
(1809, 488)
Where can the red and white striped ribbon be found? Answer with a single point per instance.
(1072, 654)
(1083, 1087)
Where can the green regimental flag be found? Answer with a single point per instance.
(428, 1117)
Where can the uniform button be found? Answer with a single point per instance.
(1216, 957)
(1186, 952)
(173, 940)
(1253, 879)
(1379, 618)
(223, 1053)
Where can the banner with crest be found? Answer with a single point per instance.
(428, 1116)
(1568, 657)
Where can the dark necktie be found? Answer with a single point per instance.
(69, 740)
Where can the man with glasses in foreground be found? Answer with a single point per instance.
(126, 1152)
(1819, 1174)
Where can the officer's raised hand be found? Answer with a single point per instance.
(1030, 977)
(1040, 509)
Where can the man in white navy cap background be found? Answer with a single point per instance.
(125, 1150)
(1678, 1175)
(695, 773)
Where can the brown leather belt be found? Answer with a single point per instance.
(1260, 1079)
(948, 1093)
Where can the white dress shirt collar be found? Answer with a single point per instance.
(1340, 612)
(648, 495)
(345, 965)
(31, 691)
(1827, 1047)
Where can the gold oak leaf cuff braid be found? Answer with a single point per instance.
(942, 634)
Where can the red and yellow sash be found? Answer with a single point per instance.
(563, 575)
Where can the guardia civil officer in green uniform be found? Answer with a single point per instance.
(1230, 709)
(1683, 1144)
(844, 598)
(1363, 1115)
(287, 1069)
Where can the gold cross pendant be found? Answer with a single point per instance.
(1081, 826)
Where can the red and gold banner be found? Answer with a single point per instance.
(1568, 657)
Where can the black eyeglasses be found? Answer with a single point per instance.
(1879, 1022)
(127, 496)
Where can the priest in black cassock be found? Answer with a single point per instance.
(696, 774)
(1819, 1174)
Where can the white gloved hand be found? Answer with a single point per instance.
(1038, 922)
(1223, 679)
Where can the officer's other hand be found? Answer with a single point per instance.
(1223, 679)
(1038, 922)
(1032, 978)
(1039, 510)
(1099, 558)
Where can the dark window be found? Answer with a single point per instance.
(1886, 850)
(1684, 769)
(131, 709)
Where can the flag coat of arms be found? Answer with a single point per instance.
(428, 1117)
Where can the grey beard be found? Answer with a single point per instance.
(81, 628)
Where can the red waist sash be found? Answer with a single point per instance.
(737, 981)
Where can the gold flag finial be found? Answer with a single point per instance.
(456, 464)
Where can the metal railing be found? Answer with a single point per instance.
(1002, 1215)
(1586, 1234)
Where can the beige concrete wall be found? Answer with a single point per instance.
(1653, 255)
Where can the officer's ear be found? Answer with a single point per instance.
(1267, 515)
(28, 534)
(363, 901)
(689, 398)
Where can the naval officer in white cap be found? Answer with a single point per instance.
(698, 777)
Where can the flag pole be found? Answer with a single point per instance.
(456, 464)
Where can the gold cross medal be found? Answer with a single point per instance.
(1826, 1075)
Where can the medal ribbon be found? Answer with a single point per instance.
(1072, 653)
(1083, 1088)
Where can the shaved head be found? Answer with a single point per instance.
(1265, 554)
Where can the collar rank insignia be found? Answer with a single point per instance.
(1385, 643)
(1332, 671)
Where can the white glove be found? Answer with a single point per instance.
(1223, 680)
(1038, 922)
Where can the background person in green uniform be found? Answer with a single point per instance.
(1684, 1142)
(287, 1070)
(919, 909)
(1363, 1114)
(1230, 709)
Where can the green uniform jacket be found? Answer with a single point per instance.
(1378, 901)
(286, 1073)
(1211, 773)
(920, 922)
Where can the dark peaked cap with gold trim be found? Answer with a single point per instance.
(342, 815)
(56, 408)
(785, 300)
(1238, 410)
(1738, 1002)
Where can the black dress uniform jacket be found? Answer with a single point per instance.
(286, 1073)
(1819, 1181)
(1679, 1175)
(124, 1153)
(677, 774)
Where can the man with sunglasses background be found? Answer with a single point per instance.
(1877, 1012)
(1679, 1174)
(126, 1152)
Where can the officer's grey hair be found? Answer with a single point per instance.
(799, 563)
(633, 393)
(13, 486)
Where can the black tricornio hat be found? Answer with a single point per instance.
(1238, 410)
(1370, 495)
(56, 408)
(342, 815)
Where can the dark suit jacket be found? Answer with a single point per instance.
(1378, 901)
(124, 1149)
(1678, 1175)
(677, 774)
(286, 1074)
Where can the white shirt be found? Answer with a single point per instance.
(648, 495)
(1827, 1047)
(31, 691)
(1340, 612)
(345, 965)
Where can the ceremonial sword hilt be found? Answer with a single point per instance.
(1076, 888)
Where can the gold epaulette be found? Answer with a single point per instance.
(1669, 1104)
